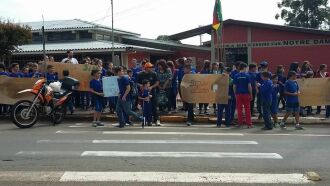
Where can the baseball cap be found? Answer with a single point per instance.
(263, 63)
(148, 65)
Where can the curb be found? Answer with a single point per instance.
(199, 119)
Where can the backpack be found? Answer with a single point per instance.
(134, 90)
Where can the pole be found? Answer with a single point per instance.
(112, 35)
(44, 45)
(212, 46)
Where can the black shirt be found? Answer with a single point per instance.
(150, 76)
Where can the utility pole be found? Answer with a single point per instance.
(43, 38)
(112, 34)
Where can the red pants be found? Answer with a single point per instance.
(243, 100)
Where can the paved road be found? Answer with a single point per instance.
(77, 154)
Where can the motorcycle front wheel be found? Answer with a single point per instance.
(58, 115)
(20, 116)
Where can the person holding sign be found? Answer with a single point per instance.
(96, 89)
(70, 58)
(124, 102)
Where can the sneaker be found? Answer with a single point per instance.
(282, 125)
(94, 124)
(188, 123)
(266, 128)
(158, 123)
(250, 126)
(238, 126)
(99, 124)
(299, 127)
(149, 124)
(206, 113)
(130, 123)
(201, 113)
(175, 111)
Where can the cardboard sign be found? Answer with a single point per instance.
(205, 88)
(110, 86)
(314, 92)
(10, 86)
(79, 72)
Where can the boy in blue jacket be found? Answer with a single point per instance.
(266, 91)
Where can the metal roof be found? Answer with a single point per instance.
(158, 43)
(74, 24)
(85, 46)
(208, 28)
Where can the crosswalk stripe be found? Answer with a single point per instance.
(156, 177)
(216, 142)
(181, 154)
(150, 154)
(180, 177)
(173, 133)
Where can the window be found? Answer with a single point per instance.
(85, 35)
(61, 36)
(36, 37)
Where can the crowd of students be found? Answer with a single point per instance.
(154, 89)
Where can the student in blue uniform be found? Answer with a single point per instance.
(275, 99)
(253, 76)
(234, 72)
(266, 91)
(25, 72)
(291, 90)
(206, 70)
(263, 68)
(14, 71)
(226, 107)
(146, 104)
(189, 106)
(35, 71)
(51, 75)
(96, 89)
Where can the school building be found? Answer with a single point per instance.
(254, 42)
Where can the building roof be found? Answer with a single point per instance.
(208, 29)
(167, 45)
(74, 24)
(86, 46)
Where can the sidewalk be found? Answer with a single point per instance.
(181, 117)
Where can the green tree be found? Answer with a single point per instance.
(11, 36)
(305, 13)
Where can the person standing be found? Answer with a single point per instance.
(14, 71)
(260, 81)
(70, 58)
(96, 89)
(225, 107)
(145, 96)
(243, 92)
(322, 73)
(124, 103)
(275, 97)
(206, 70)
(189, 106)
(266, 90)
(151, 76)
(233, 73)
(253, 76)
(291, 90)
(164, 76)
(174, 88)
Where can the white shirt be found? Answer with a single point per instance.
(73, 60)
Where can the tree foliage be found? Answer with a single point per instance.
(13, 35)
(305, 13)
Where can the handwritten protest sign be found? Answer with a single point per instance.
(79, 72)
(314, 92)
(10, 86)
(110, 86)
(205, 88)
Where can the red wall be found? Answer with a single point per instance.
(200, 56)
(234, 34)
(262, 34)
(285, 55)
(139, 56)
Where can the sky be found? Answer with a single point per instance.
(149, 18)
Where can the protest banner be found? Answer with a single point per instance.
(110, 86)
(314, 92)
(205, 88)
(81, 72)
(10, 86)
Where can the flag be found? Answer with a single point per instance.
(217, 15)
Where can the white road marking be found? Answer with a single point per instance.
(296, 135)
(178, 142)
(216, 142)
(48, 153)
(182, 177)
(157, 177)
(181, 154)
(72, 132)
(173, 133)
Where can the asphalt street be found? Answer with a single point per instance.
(74, 153)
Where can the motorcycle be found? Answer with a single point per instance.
(49, 100)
